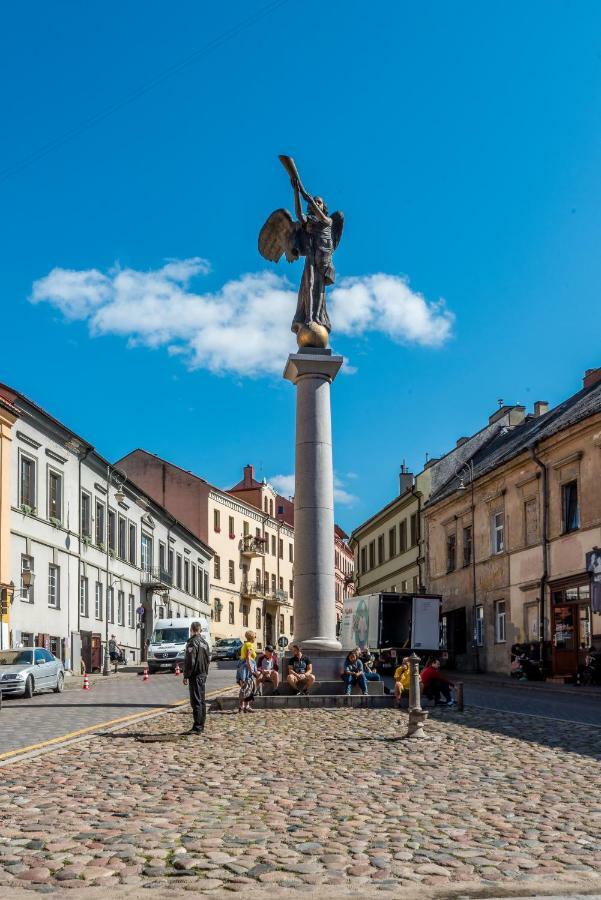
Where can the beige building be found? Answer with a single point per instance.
(8, 417)
(251, 585)
(508, 538)
(344, 570)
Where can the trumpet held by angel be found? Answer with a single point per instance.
(314, 234)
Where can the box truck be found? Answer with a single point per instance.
(391, 621)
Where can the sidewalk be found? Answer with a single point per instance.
(494, 680)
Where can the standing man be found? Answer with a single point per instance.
(196, 668)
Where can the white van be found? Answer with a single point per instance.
(168, 641)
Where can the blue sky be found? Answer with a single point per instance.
(460, 140)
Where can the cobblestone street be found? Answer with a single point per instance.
(310, 800)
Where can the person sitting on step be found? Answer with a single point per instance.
(300, 671)
(268, 670)
(353, 673)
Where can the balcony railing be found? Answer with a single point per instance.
(250, 546)
(252, 589)
(156, 576)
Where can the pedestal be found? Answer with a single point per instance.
(312, 371)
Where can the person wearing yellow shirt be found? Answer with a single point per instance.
(246, 673)
(402, 674)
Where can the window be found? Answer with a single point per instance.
(569, 498)
(86, 513)
(273, 544)
(273, 584)
(146, 552)
(404, 586)
(282, 626)
(403, 536)
(26, 566)
(99, 530)
(217, 610)
(193, 580)
(479, 626)
(112, 530)
(271, 508)
(413, 522)
(98, 601)
(498, 532)
(231, 572)
(372, 554)
(216, 520)
(205, 581)
(245, 616)
(291, 589)
(530, 522)
(291, 624)
(467, 545)
(500, 622)
(231, 527)
(266, 505)
(28, 485)
(55, 495)
(121, 608)
(245, 528)
(131, 610)
(281, 549)
(364, 559)
(133, 543)
(392, 542)
(178, 570)
(258, 619)
(122, 538)
(170, 561)
(451, 551)
(217, 567)
(83, 597)
(110, 605)
(231, 612)
(381, 555)
(290, 553)
(187, 576)
(162, 552)
(54, 587)
(281, 583)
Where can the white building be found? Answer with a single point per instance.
(106, 559)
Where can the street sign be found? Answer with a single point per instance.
(282, 641)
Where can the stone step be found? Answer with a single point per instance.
(311, 701)
(327, 688)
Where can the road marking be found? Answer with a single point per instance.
(73, 735)
(531, 715)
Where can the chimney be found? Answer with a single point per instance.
(591, 377)
(461, 441)
(498, 414)
(405, 479)
(517, 414)
(249, 475)
(540, 408)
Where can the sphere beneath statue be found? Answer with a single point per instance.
(312, 335)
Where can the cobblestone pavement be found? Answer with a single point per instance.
(48, 715)
(310, 799)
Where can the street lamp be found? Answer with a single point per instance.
(112, 479)
(467, 472)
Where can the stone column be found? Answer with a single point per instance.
(312, 371)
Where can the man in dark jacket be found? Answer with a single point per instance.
(196, 668)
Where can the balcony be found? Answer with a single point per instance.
(156, 578)
(251, 546)
(252, 589)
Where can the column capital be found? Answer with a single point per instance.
(320, 363)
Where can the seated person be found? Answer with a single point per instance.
(353, 673)
(268, 669)
(369, 670)
(402, 674)
(435, 684)
(300, 671)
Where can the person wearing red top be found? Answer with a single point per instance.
(434, 683)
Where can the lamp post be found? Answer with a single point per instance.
(112, 478)
(467, 471)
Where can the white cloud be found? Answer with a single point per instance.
(244, 327)
(284, 484)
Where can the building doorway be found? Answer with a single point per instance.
(269, 636)
(571, 631)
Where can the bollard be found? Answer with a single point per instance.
(417, 716)
(459, 695)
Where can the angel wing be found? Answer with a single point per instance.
(278, 236)
(337, 226)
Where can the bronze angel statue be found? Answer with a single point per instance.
(314, 235)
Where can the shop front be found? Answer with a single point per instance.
(571, 624)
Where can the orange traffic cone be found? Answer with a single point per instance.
(86, 682)
(145, 676)
(177, 671)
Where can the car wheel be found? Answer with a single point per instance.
(28, 688)
(60, 683)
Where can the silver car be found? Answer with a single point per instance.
(30, 669)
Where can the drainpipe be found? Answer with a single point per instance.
(545, 543)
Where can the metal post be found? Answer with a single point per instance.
(459, 695)
(417, 716)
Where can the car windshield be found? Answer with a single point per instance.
(227, 642)
(169, 636)
(16, 657)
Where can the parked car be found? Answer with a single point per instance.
(227, 648)
(30, 669)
